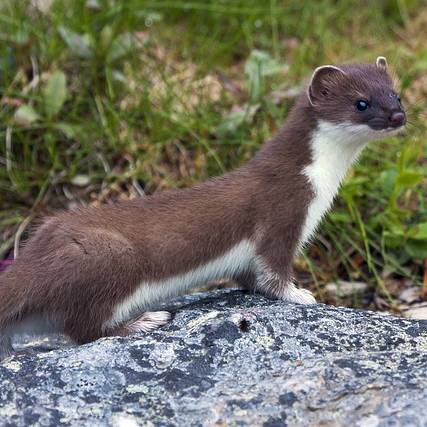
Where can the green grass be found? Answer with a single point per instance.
(101, 100)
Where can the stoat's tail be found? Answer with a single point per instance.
(12, 305)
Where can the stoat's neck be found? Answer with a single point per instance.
(333, 150)
(290, 148)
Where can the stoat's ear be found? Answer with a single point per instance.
(381, 62)
(322, 80)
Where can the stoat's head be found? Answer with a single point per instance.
(358, 99)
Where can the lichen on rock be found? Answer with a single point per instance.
(228, 358)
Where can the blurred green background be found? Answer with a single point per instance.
(106, 100)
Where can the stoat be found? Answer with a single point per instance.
(96, 271)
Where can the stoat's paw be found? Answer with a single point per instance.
(299, 296)
(149, 321)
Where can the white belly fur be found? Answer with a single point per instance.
(237, 259)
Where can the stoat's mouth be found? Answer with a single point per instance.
(401, 130)
(378, 124)
(381, 124)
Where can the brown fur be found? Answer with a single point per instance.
(79, 265)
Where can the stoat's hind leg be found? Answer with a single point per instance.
(147, 322)
(246, 280)
(6, 348)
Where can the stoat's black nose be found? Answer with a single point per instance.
(397, 119)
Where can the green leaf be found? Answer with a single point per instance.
(237, 118)
(340, 217)
(388, 180)
(231, 123)
(392, 239)
(397, 229)
(417, 249)
(55, 93)
(408, 178)
(21, 36)
(121, 46)
(78, 44)
(25, 115)
(419, 232)
(258, 66)
(105, 38)
(70, 131)
(150, 16)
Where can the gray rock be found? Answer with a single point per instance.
(229, 359)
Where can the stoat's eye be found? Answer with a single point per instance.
(395, 95)
(362, 105)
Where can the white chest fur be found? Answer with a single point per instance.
(334, 148)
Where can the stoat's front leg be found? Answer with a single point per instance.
(273, 285)
(274, 259)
